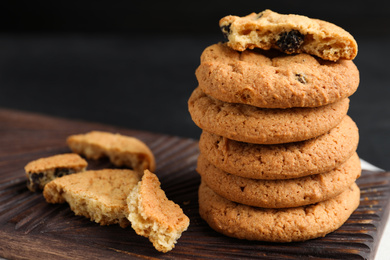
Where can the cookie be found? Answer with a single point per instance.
(280, 193)
(268, 80)
(98, 195)
(152, 215)
(263, 126)
(276, 225)
(282, 161)
(120, 149)
(290, 34)
(42, 171)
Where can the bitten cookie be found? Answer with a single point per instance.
(152, 215)
(263, 126)
(42, 171)
(268, 80)
(97, 195)
(282, 161)
(290, 34)
(276, 225)
(280, 193)
(121, 150)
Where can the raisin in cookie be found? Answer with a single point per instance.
(263, 126)
(290, 34)
(276, 225)
(152, 215)
(120, 149)
(97, 195)
(42, 171)
(266, 80)
(282, 161)
(280, 193)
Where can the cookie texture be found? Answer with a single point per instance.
(276, 225)
(98, 195)
(289, 33)
(152, 215)
(282, 161)
(43, 170)
(263, 126)
(120, 149)
(273, 80)
(280, 193)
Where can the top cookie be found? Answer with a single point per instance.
(290, 34)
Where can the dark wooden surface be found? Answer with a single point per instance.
(32, 229)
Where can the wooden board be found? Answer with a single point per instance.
(30, 228)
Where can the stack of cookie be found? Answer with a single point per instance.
(278, 155)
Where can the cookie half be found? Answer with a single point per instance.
(154, 216)
(120, 149)
(42, 171)
(290, 34)
(276, 225)
(274, 80)
(263, 126)
(98, 195)
(280, 193)
(282, 161)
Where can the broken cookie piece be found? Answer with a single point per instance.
(288, 33)
(97, 195)
(152, 215)
(120, 149)
(42, 171)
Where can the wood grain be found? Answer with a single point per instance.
(30, 228)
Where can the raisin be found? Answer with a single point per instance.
(226, 30)
(301, 78)
(35, 180)
(290, 41)
(59, 172)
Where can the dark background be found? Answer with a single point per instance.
(132, 64)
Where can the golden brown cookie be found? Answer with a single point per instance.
(263, 126)
(120, 149)
(268, 80)
(42, 171)
(276, 225)
(280, 193)
(282, 161)
(152, 215)
(290, 34)
(97, 195)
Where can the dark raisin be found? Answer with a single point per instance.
(300, 78)
(59, 172)
(34, 180)
(290, 41)
(226, 30)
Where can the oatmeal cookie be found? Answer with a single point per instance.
(98, 195)
(266, 80)
(280, 193)
(120, 149)
(276, 225)
(263, 126)
(282, 161)
(42, 171)
(152, 215)
(289, 33)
